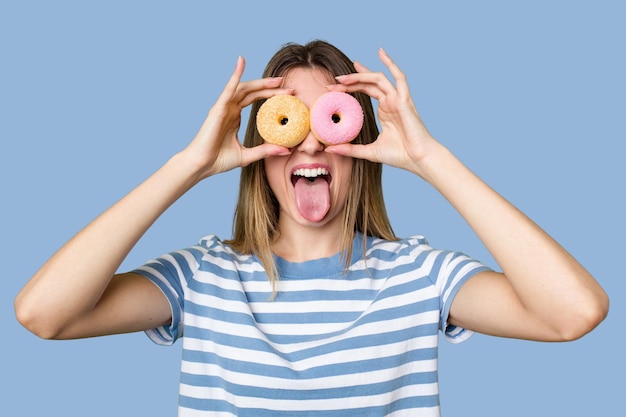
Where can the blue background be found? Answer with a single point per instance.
(95, 96)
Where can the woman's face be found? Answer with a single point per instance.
(310, 185)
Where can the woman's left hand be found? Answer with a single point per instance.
(404, 140)
(543, 293)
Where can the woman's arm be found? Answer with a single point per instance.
(76, 293)
(543, 293)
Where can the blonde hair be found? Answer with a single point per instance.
(255, 225)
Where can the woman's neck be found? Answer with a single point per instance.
(299, 243)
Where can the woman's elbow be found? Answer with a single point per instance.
(35, 320)
(586, 317)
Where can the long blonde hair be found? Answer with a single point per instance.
(255, 225)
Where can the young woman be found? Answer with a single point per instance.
(314, 307)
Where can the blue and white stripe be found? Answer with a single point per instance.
(360, 342)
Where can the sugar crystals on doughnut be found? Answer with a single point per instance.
(336, 118)
(283, 120)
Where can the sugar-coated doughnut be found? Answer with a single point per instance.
(336, 117)
(283, 120)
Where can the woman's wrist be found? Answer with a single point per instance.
(188, 167)
(435, 160)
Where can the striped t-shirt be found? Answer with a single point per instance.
(333, 342)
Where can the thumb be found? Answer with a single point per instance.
(256, 153)
(354, 151)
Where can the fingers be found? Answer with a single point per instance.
(398, 75)
(264, 88)
(390, 64)
(245, 93)
(374, 84)
(237, 73)
(233, 82)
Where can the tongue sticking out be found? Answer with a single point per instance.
(312, 198)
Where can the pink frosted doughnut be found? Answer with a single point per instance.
(336, 118)
(283, 120)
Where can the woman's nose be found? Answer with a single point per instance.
(310, 145)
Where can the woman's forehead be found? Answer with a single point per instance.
(308, 83)
(308, 75)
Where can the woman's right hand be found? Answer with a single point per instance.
(216, 147)
(78, 294)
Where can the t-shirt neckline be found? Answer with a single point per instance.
(322, 267)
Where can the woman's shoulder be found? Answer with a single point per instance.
(404, 243)
(213, 243)
(220, 251)
(210, 241)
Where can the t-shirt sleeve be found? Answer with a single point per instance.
(171, 273)
(455, 269)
